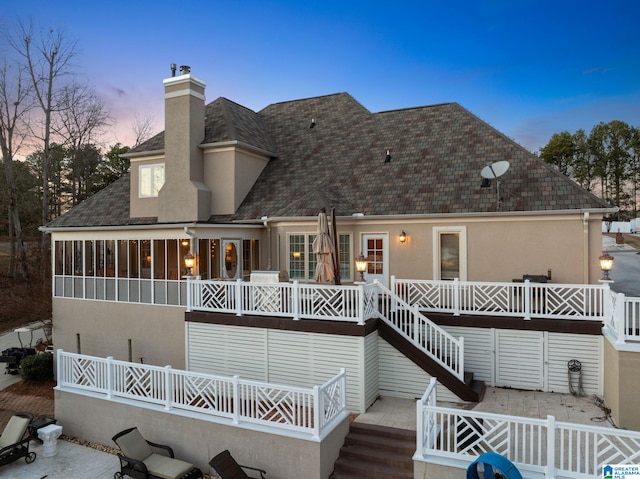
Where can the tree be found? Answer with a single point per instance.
(13, 109)
(81, 117)
(560, 152)
(48, 58)
(114, 165)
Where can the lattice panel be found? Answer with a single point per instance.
(85, 373)
(564, 301)
(331, 399)
(490, 298)
(215, 297)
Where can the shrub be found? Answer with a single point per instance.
(37, 367)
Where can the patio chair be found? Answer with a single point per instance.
(138, 459)
(14, 441)
(227, 467)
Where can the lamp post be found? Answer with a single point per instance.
(606, 264)
(189, 261)
(361, 266)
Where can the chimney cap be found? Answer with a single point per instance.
(185, 69)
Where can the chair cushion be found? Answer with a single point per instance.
(134, 446)
(166, 467)
(14, 431)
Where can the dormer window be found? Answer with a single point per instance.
(151, 180)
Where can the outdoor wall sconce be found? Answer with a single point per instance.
(313, 123)
(606, 264)
(184, 242)
(387, 158)
(189, 262)
(403, 237)
(361, 266)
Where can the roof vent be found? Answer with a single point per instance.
(185, 69)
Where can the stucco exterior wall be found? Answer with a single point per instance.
(622, 385)
(426, 470)
(498, 248)
(230, 173)
(142, 207)
(197, 440)
(157, 333)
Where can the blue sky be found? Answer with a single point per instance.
(528, 68)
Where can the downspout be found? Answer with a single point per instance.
(265, 222)
(585, 247)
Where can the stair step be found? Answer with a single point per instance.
(351, 469)
(376, 452)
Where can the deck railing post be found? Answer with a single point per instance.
(361, 303)
(526, 292)
(59, 375)
(456, 297)
(460, 364)
(620, 318)
(318, 410)
(295, 298)
(109, 377)
(239, 298)
(191, 294)
(168, 388)
(236, 399)
(551, 448)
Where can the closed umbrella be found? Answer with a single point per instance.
(323, 248)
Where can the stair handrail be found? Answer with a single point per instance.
(434, 341)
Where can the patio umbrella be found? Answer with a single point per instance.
(323, 248)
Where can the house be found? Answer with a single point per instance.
(241, 191)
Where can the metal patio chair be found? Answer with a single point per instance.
(227, 467)
(14, 441)
(138, 459)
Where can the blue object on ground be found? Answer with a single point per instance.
(493, 463)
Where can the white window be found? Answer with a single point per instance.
(151, 180)
(303, 261)
(450, 252)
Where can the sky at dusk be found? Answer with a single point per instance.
(528, 68)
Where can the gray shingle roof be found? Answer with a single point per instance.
(437, 153)
(108, 207)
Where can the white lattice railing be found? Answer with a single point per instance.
(313, 411)
(294, 300)
(543, 447)
(526, 299)
(438, 344)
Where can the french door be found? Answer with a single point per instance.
(375, 247)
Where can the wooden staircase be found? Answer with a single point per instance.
(376, 452)
(470, 389)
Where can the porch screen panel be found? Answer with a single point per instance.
(159, 259)
(173, 263)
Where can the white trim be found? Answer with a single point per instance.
(189, 91)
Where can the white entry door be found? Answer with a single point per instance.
(375, 247)
(231, 259)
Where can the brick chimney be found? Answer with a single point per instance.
(184, 196)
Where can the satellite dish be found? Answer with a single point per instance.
(495, 170)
